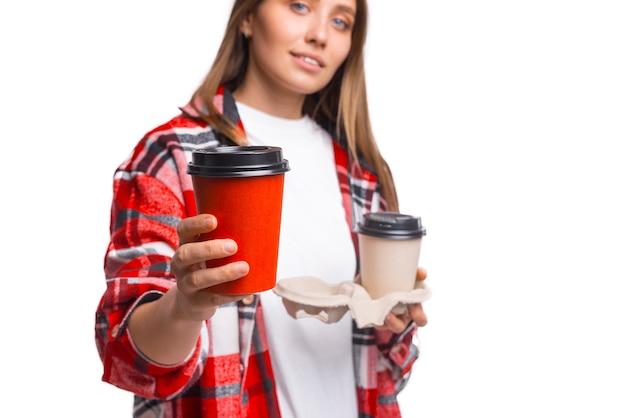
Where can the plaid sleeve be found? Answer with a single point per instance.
(150, 196)
(399, 353)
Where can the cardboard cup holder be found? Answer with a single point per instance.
(311, 297)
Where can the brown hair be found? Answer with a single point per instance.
(342, 103)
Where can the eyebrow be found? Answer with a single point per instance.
(347, 9)
(344, 8)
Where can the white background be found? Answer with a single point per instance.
(504, 124)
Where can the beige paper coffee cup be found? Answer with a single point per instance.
(389, 247)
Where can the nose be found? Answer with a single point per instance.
(317, 31)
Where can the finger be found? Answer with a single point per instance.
(421, 274)
(202, 279)
(208, 298)
(195, 253)
(396, 324)
(416, 311)
(189, 229)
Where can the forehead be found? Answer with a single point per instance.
(347, 6)
(344, 5)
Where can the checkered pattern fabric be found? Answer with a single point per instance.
(228, 375)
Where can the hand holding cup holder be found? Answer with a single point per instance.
(389, 244)
(311, 297)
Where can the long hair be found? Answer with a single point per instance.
(342, 103)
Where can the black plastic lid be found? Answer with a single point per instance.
(237, 161)
(391, 225)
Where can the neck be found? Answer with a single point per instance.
(283, 104)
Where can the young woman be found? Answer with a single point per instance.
(288, 74)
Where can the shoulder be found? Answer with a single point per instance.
(169, 144)
(184, 131)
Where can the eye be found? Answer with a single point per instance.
(341, 23)
(299, 7)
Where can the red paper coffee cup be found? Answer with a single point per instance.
(242, 186)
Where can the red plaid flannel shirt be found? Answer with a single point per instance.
(228, 374)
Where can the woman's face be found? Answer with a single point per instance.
(297, 46)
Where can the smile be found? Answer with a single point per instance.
(309, 60)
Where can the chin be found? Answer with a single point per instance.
(308, 88)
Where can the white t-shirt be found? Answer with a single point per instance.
(312, 361)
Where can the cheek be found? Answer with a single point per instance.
(340, 56)
(269, 41)
(282, 31)
(264, 49)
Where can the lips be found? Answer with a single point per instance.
(310, 60)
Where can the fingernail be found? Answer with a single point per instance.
(230, 247)
(242, 268)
